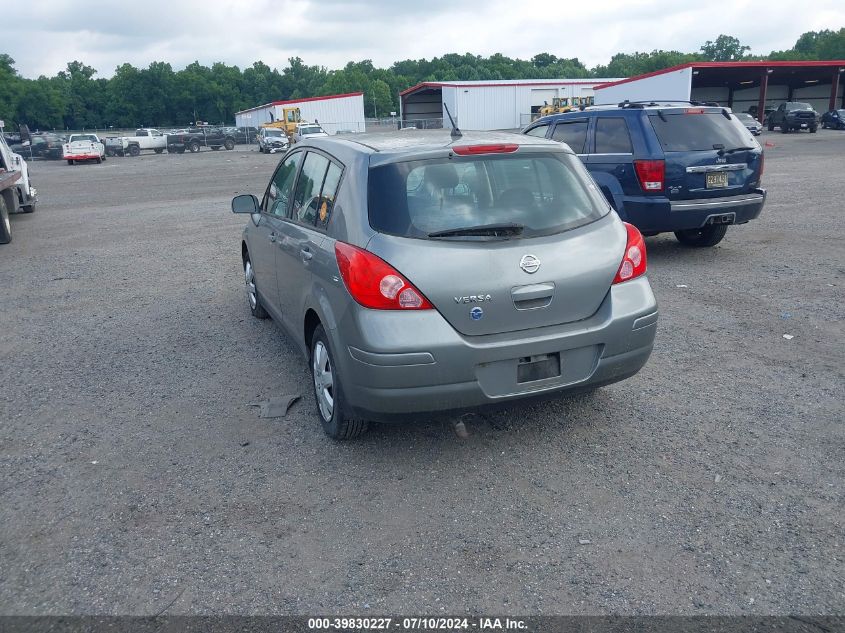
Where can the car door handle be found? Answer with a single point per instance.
(306, 254)
(272, 237)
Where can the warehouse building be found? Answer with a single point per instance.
(334, 112)
(486, 105)
(742, 86)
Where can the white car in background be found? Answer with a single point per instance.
(83, 147)
(308, 130)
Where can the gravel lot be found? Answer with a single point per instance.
(135, 477)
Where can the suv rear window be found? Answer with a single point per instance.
(685, 132)
(545, 193)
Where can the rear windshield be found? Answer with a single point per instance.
(84, 137)
(544, 193)
(794, 105)
(310, 130)
(685, 132)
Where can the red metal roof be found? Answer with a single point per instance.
(754, 64)
(437, 84)
(278, 103)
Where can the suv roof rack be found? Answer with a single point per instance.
(643, 104)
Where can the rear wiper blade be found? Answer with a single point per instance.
(734, 149)
(504, 229)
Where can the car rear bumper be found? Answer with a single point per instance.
(388, 374)
(81, 156)
(657, 215)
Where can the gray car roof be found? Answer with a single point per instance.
(425, 141)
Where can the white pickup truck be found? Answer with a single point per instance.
(17, 195)
(144, 139)
(83, 146)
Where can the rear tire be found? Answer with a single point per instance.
(703, 237)
(813, 129)
(229, 144)
(134, 151)
(771, 126)
(69, 161)
(99, 159)
(328, 391)
(194, 147)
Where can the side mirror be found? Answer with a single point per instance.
(245, 204)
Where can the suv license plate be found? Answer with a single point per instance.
(717, 179)
(803, 125)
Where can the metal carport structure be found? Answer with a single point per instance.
(738, 85)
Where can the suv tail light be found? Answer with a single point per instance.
(651, 174)
(374, 283)
(634, 261)
(762, 164)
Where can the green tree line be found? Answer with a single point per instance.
(158, 95)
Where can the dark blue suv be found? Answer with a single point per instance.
(687, 168)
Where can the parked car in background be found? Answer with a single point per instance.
(242, 135)
(308, 130)
(143, 139)
(517, 280)
(272, 140)
(692, 170)
(750, 123)
(766, 112)
(834, 119)
(83, 147)
(197, 137)
(46, 145)
(793, 115)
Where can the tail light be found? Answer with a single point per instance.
(634, 261)
(762, 164)
(374, 283)
(651, 174)
(472, 150)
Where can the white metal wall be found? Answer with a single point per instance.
(501, 107)
(342, 113)
(675, 85)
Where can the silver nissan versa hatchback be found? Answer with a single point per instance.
(419, 272)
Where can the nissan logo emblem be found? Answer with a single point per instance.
(529, 264)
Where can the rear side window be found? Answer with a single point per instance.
(545, 193)
(572, 133)
(540, 131)
(612, 136)
(685, 132)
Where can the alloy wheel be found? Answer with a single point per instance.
(323, 380)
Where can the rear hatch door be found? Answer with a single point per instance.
(551, 260)
(708, 153)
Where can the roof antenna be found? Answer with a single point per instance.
(456, 133)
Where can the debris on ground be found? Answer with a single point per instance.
(584, 541)
(275, 407)
(788, 337)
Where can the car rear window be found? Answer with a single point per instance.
(688, 132)
(545, 193)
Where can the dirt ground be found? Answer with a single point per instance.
(135, 477)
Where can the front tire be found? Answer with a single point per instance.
(328, 392)
(252, 298)
(703, 237)
(159, 151)
(771, 126)
(69, 161)
(229, 144)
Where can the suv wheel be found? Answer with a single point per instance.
(771, 126)
(328, 391)
(705, 236)
(229, 144)
(813, 129)
(254, 302)
(194, 147)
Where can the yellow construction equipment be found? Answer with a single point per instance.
(564, 104)
(291, 117)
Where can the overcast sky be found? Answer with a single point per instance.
(106, 33)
